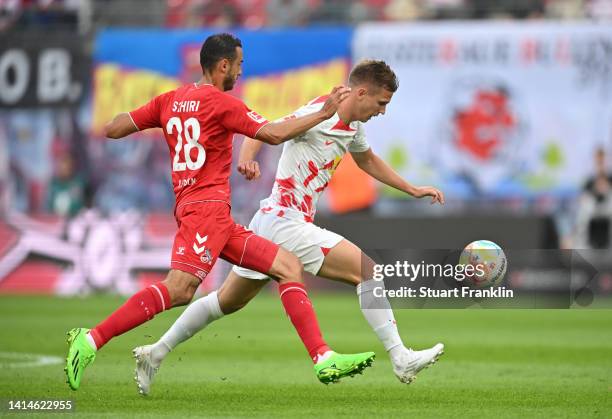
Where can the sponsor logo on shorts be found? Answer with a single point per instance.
(200, 249)
(181, 250)
(201, 274)
(199, 241)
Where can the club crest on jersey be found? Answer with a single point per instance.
(206, 258)
(200, 249)
(256, 117)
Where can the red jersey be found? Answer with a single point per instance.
(199, 123)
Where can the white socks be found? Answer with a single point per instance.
(196, 317)
(377, 311)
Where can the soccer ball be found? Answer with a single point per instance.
(489, 261)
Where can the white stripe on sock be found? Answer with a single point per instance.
(161, 297)
(293, 288)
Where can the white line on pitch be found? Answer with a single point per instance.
(24, 360)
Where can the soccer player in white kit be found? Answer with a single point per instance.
(286, 218)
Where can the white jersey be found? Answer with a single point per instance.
(308, 163)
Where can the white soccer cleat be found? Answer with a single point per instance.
(145, 368)
(411, 362)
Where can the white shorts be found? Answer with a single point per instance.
(307, 241)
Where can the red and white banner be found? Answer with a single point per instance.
(493, 109)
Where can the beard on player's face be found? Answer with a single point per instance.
(231, 77)
(229, 81)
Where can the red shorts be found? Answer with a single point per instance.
(206, 231)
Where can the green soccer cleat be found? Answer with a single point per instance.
(80, 355)
(338, 366)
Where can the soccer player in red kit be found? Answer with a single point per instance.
(199, 121)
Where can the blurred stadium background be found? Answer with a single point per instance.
(505, 105)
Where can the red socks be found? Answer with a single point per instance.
(299, 309)
(139, 308)
(145, 304)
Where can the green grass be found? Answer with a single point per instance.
(498, 363)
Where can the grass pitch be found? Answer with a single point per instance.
(498, 363)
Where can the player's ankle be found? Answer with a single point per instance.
(396, 353)
(91, 341)
(324, 356)
(159, 351)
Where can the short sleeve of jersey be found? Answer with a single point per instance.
(237, 117)
(148, 115)
(359, 144)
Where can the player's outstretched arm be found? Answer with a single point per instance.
(279, 132)
(247, 166)
(380, 170)
(120, 126)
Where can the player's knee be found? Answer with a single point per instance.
(291, 269)
(231, 301)
(232, 306)
(354, 278)
(295, 269)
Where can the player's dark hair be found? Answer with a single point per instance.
(217, 47)
(374, 72)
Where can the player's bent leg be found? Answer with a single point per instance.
(256, 253)
(181, 287)
(234, 294)
(329, 366)
(176, 289)
(347, 263)
(286, 267)
(288, 271)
